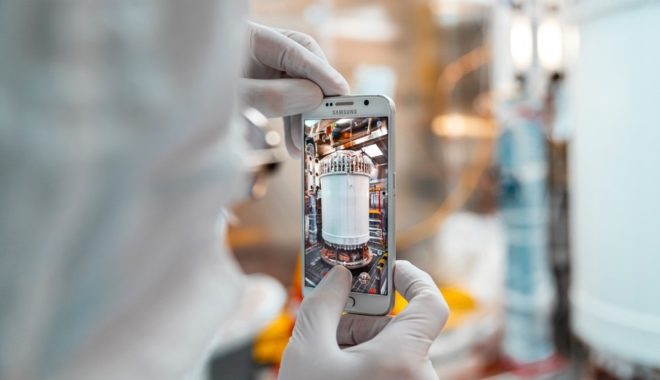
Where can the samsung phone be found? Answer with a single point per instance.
(348, 197)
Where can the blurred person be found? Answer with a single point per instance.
(120, 147)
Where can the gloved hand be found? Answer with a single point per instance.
(327, 346)
(286, 74)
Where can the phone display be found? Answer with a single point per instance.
(346, 200)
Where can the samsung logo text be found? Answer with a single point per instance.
(344, 112)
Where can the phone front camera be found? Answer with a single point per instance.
(366, 102)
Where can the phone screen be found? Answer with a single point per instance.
(346, 200)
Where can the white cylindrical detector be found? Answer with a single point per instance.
(345, 205)
(344, 178)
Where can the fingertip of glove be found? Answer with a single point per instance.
(339, 274)
(341, 86)
(346, 88)
(336, 85)
(310, 92)
(404, 265)
(410, 269)
(416, 283)
(333, 289)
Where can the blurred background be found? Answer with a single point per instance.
(526, 179)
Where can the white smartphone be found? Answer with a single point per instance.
(348, 197)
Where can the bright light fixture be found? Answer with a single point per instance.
(550, 44)
(521, 42)
(456, 125)
(372, 150)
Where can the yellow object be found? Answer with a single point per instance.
(461, 304)
(399, 303)
(270, 344)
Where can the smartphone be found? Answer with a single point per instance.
(348, 197)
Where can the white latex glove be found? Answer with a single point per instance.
(328, 346)
(286, 74)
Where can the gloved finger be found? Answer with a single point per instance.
(356, 329)
(280, 97)
(319, 313)
(293, 124)
(293, 135)
(306, 41)
(279, 52)
(427, 311)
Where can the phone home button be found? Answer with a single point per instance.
(350, 303)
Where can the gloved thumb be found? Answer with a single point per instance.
(320, 312)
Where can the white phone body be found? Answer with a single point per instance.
(356, 123)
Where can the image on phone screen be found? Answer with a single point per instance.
(346, 201)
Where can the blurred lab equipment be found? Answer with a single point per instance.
(265, 155)
(615, 184)
(529, 293)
